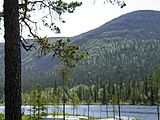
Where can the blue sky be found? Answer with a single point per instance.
(92, 15)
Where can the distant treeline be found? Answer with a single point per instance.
(129, 92)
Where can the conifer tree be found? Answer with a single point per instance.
(17, 15)
(67, 54)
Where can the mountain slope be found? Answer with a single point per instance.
(130, 43)
(144, 20)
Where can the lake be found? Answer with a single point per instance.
(142, 112)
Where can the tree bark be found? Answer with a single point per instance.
(12, 61)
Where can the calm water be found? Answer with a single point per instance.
(142, 112)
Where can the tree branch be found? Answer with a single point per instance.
(27, 47)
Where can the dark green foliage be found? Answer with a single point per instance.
(136, 58)
(155, 89)
(132, 92)
(2, 116)
(38, 102)
(68, 56)
(74, 100)
(133, 45)
(17, 15)
(123, 41)
(65, 52)
(118, 2)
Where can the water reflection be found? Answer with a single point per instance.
(142, 112)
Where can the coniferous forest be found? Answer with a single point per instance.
(114, 64)
(123, 56)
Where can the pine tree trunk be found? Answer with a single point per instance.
(12, 61)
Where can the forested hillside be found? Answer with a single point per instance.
(127, 47)
(130, 42)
